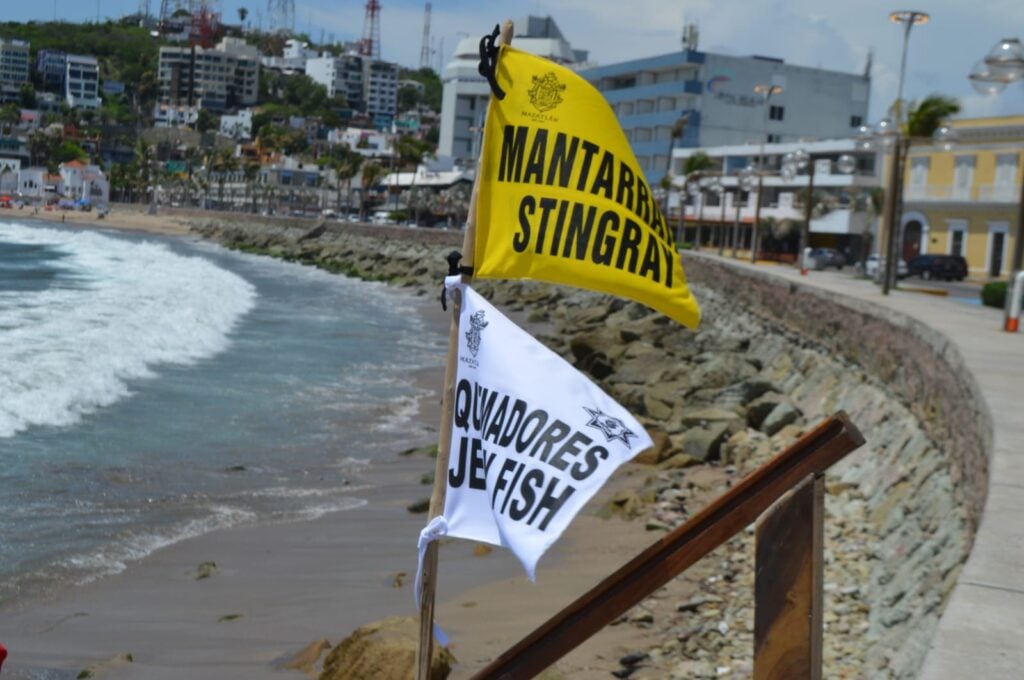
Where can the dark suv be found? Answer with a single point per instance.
(823, 258)
(946, 267)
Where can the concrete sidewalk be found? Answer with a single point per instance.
(981, 633)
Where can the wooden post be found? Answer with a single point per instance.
(728, 515)
(788, 581)
(437, 498)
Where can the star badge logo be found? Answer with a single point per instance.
(612, 427)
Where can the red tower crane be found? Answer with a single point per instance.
(369, 46)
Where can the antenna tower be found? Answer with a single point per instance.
(369, 46)
(165, 15)
(425, 48)
(281, 15)
(205, 23)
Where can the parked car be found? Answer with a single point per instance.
(870, 267)
(823, 258)
(944, 267)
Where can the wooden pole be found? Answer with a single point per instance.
(788, 585)
(437, 498)
(728, 515)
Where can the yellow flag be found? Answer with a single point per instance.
(562, 198)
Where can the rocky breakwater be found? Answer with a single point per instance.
(719, 402)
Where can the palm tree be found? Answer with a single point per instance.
(372, 173)
(345, 168)
(10, 115)
(252, 172)
(926, 116)
(144, 166)
(923, 119)
(225, 163)
(694, 170)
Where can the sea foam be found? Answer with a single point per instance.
(122, 308)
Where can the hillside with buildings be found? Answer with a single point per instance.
(195, 111)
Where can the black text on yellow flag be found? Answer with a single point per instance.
(562, 198)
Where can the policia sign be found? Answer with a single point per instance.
(562, 198)
(532, 438)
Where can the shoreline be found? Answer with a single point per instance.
(318, 579)
(702, 621)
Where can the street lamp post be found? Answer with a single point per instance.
(1004, 64)
(909, 19)
(744, 182)
(767, 91)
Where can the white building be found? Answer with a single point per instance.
(223, 78)
(32, 182)
(842, 216)
(85, 183)
(180, 115)
(368, 143)
(466, 92)
(237, 126)
(341, 76)
(14, 68)
(293, 61)
(381, 79)
(82, 82)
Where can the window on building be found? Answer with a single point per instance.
(774, 139)
(644, 106)
(626, 108)
(642, 135)
(957, 236)
(776, 112)
(856, 121)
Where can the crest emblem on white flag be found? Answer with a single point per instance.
(532, 438)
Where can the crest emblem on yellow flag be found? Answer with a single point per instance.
(562, 198)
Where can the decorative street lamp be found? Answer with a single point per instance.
(767, 91)
(893, 197)
(1003, 65)
(744, 182)
(799, 160)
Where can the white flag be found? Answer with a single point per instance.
(532, 439)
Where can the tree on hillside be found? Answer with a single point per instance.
(10, 115)
(225, 163)
(242, 14)
(144, 176)
(251, 171)
(345, 163)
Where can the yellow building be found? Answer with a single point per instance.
(965, 201)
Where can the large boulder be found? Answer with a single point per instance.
(383, 650)
(660, 451)
(784, 413)
(704, 443)
(759, 408)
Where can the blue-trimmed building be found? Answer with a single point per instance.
(716, 93)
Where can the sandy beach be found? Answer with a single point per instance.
(278, 588)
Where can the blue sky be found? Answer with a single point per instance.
(834, 34)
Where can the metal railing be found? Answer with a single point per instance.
(788, 590)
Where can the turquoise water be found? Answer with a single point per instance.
(156, 389)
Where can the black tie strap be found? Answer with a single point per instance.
(489, 61)
(453, 270)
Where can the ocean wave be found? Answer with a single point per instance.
(68, 350)
(114, 558)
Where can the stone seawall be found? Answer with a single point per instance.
(769, 360)
(916, 363)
